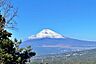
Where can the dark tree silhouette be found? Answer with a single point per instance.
(10, 53)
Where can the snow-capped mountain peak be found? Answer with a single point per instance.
(46, 33)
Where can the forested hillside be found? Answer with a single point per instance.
(79, 57)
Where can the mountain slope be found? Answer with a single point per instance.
(46, 33)
(50, 42)
(45, 46)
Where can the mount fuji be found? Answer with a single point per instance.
(46, 33)
(50, 42)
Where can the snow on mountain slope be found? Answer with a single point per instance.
(46, 33)
(49, 42)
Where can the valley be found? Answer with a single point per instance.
(77, 57)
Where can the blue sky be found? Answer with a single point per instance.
(72, 18)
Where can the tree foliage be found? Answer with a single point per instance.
(10, 53)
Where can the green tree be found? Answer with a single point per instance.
(10, 53)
